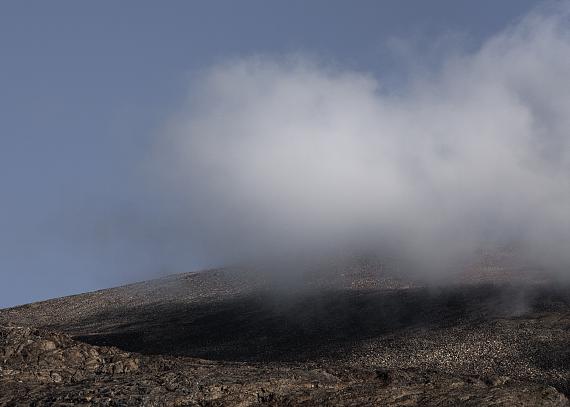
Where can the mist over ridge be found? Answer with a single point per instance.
(289, 156)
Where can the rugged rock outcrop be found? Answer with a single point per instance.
(221, 338)
(46, 368)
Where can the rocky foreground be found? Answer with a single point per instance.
(226, 337)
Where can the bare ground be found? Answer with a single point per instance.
(357, 337)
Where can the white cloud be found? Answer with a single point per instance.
(288, 155)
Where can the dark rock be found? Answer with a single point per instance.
(213, 339)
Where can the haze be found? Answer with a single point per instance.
(128, 152)
(275, 155)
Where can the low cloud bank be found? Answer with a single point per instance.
(288, 156)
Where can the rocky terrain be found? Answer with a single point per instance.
(356, 335)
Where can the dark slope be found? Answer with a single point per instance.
(354, 337)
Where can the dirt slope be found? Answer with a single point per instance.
(227, 337)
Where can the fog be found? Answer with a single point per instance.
(293, 157)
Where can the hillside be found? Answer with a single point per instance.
(352, 336)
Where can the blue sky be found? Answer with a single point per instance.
(84, 86)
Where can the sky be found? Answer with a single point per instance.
(87, 89)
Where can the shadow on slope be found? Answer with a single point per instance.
(270, 327)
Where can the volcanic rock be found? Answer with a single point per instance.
(225, 337)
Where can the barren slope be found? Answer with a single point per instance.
(356, 337)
